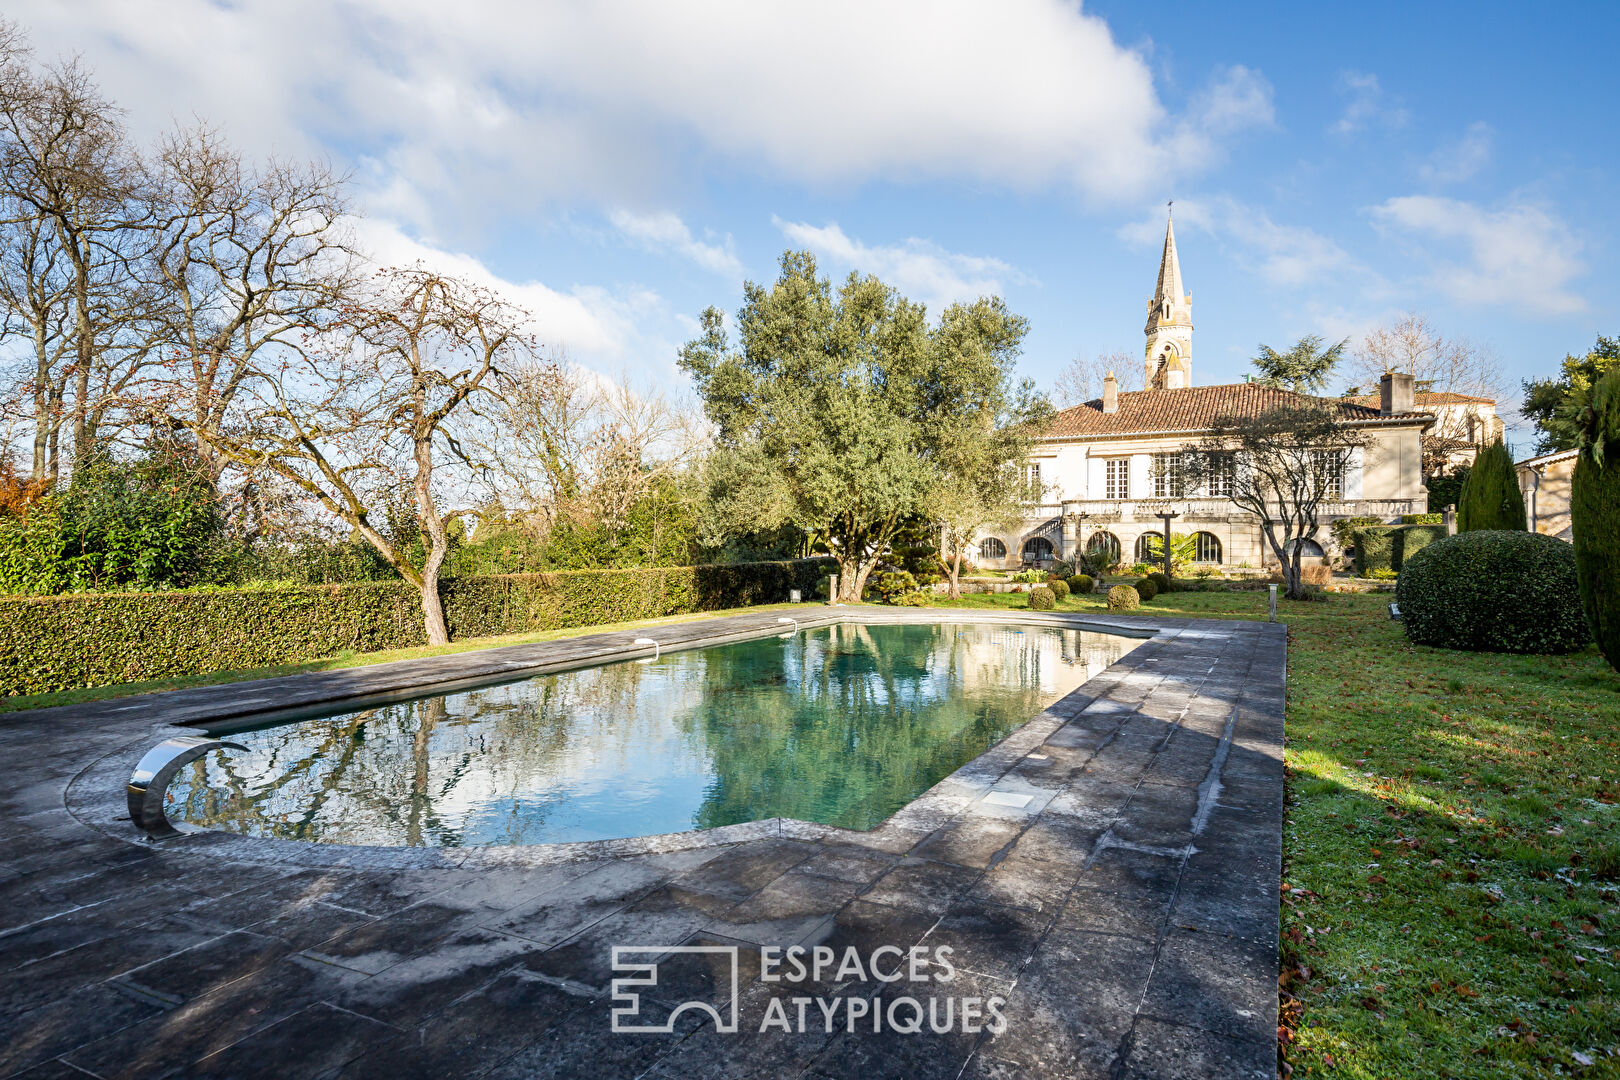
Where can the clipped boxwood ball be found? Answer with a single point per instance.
(1123, 598)
(1160, 581)
(1493, 591)
(1146, 588)
(1059, 587)
(1080, 583)
(1042, 598)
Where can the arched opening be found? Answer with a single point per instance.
(1037, 549)
(1103, 549)
(991, 548)
(1206, 548)
(1308, 549)
(1144, 547)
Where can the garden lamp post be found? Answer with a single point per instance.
(1169, 516)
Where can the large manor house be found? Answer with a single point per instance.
(1107, 466)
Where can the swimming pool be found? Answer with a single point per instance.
(840, 725)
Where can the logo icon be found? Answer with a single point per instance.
(644, 973)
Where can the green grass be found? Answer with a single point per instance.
(345, 660)
(1451, 847)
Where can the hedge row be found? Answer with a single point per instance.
(64, 642)
(1387, 547)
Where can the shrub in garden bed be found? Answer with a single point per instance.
(1147, 589)
(1081, 584)
(1123, 598)
(1059, 587)
(1494, 591)
(1387, 547)
(1041, 598)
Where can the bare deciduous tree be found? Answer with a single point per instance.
(246, 260)
(1082, 380)
(566, 444)
(1280, 466)
(375, 405)
(75, 215)
(1437, 364)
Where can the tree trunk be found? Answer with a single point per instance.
(956, 576)
(432, 607)
(1291, 571)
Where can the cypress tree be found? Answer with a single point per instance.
(1490, 497)
(1594, 507)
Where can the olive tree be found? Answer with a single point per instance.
(844, 414)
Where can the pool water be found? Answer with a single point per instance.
(841, 725)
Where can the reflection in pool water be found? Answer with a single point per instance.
(841, 725)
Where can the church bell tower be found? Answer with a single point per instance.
(1169, 324)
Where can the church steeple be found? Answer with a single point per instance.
(1169, 325)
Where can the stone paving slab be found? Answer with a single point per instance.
(1107, 876)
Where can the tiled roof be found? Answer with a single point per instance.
(1195, 408)
(1427, 399)
(1547, 459)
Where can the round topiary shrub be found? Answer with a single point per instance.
(1123, 598)
(1160, 580)
(1146, 588)
(1493, 591)
(1059, 587)
(1042, 598)
(1080, 584)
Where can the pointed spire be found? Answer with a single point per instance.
(1169, 287)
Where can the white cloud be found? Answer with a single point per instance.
(594, 326)
(1369, 106)
(920, 269)
(1521, 255)
(1284, 255)
(667, 232)
(1460, 158)
(1237, 98)
(477, 109)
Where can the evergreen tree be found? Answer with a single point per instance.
(1595, 511)
(1490, 497)
(1303, 368)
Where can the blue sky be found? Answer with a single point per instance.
(621, 167)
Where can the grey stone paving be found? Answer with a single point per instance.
(1126, 913)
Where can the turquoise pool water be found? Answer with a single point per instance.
(841, 725)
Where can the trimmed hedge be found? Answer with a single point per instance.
(64, 642)
(1059, 587)
(1494, 590)
(1388, 547)
(1041, 598)
(1147, 589)
(1081, 584)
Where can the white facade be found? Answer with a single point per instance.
(1102, 487)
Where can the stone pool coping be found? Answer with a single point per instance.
(1127, 914)
(96, 795)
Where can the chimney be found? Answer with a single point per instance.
(1110, 393)
(1395, 393)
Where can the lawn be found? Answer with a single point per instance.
(1452, 848)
